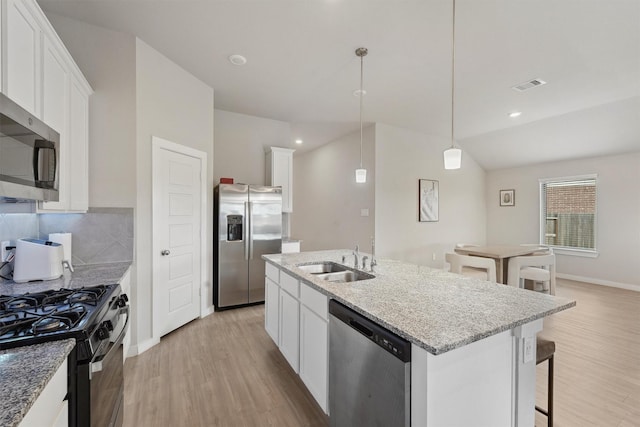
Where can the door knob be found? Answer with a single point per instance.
(165, 252)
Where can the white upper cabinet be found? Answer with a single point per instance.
(41, 76)
(55, 95)
(22, 56)
(279, 171)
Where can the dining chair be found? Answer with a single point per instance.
(539, 268)
(473, 266)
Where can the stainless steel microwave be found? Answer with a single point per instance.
(29, 155)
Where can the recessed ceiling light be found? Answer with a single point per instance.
(298, 141)
(515, 114)
(237, 59)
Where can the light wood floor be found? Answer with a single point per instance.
(224, 370)
(597, 359)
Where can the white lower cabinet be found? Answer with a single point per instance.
(289, 328)
(313, 354)
(271, 309)
(296, 318)
(62, 419)
(50, 408)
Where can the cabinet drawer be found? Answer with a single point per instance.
(272, 272)
(289, 284)
(314, 300)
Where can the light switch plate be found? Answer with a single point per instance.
(364, 212)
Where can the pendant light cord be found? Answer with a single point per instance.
(453, 68)
(361, 96)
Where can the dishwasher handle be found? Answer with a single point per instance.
(361, 328)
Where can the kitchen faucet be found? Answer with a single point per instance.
(356, 255)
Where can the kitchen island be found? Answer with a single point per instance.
(468, 337)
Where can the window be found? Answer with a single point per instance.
(568, 213)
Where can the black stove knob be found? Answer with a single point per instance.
(102, 332)
(122, 301)
(108, 324)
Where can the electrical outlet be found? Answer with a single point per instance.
(433, 257)
(4, 252)
(529, 342)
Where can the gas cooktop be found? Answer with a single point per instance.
(36, 317)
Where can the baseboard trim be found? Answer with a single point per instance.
(143, 346)
(627, 286)
(207, 311)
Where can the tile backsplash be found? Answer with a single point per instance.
(102, 235)
(18, 225)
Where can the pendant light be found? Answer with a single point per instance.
(453, 155)
(361, 174)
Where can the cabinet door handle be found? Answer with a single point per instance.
(165, 252)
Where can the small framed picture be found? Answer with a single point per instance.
(428, 200)
(507, 197)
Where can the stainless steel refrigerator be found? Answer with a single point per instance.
(248, 224)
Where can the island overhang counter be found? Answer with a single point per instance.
(473, 341)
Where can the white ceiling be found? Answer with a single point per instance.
(302, 67)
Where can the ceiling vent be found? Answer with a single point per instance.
(528, 85)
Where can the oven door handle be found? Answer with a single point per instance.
(96, 365)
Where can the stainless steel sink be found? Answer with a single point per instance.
(345, 276)
(334, 272)
(322, 267)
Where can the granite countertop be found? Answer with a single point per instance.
(24, 373)
(434, 309)
(84, 275)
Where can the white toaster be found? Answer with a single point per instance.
(37, 260)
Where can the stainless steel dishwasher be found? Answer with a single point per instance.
(369, 372)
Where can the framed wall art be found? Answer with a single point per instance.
(507, 197)
(428, 194)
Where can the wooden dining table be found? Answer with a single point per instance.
(501, 253)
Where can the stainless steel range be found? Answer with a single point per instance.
(97, 318)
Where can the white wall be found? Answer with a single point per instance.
(403, 157)
(173, 105)
(240, 142)
(327, 200)
(618, 214)
(107, 60)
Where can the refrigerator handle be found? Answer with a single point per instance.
(250, 228)
(245, 230)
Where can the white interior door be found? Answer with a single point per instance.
(177, 234)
